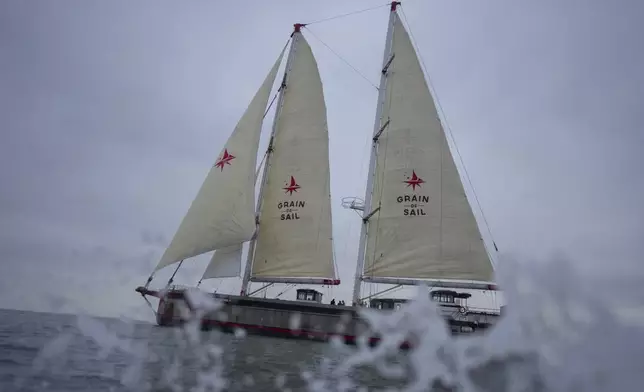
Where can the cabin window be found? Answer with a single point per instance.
(309, 296)
(444, 298)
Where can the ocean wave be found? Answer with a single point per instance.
(559, 332)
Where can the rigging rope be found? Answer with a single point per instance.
(449, 130)
(270, 105)
(342, 58)
(272, 101)
(149, 304)
(288, 287)
(348, 14)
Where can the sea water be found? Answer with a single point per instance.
(560, 333)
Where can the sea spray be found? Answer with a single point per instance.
(558, 333)
(193, 350)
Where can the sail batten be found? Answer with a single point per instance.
(294, 233)
(223, 211)
(420, 224)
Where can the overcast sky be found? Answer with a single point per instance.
(112, 113)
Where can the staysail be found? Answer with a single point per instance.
(223, 212)
(294, 235)
(225, 263)
(419, 222)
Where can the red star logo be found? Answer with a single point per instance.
(224, 160)
(292, 187)
(414, 181)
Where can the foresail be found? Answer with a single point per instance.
(294, 236)
(225, 263)
(423, 226)
(223, 212)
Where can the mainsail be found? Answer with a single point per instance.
(419, 224)
(223, 212)
(294, 234)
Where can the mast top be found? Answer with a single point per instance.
(297, 27)
(394, 4)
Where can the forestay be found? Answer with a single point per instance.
(223, 212)
(423, 226)
(294, 235)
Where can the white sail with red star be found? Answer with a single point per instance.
(294, 233)
(223, 212)
(419, 222)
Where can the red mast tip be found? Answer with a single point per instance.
(297, 27)
(394, 4)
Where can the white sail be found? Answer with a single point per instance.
(225, 263)
(223, 212)
(423, 226)
(294, 236)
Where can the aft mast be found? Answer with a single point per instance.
(293, 241)
(418, 225)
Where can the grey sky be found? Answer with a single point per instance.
(112, 113)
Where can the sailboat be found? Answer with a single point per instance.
(417, 225)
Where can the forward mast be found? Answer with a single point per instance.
(302, 96)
